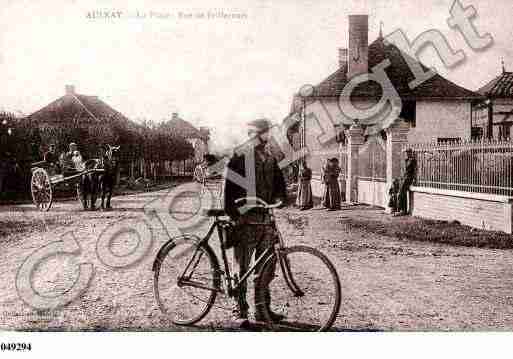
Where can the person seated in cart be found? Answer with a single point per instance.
(51, 158)
(73, 161)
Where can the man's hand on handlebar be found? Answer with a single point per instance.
(283, 204)
(255, 202)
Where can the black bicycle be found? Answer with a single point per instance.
(187, 278)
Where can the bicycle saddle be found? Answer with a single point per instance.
(216, 212)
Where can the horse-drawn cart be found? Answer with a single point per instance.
(45, 179)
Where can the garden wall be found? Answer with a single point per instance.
(478, 210)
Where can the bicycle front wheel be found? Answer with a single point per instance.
(186, 280)
(305, 290)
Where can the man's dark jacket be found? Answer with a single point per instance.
(269, 181)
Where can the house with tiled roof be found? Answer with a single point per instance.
(494, 117)
(90, 117)
(79, 109)
(198, 138)
(88, 121)
(436, 110)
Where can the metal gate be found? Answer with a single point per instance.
(372, 172)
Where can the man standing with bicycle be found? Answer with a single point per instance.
(253, 172)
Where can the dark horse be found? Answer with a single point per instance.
(87, 187)
(106, 180)
(91, 183)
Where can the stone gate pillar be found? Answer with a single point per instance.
(343, 163)
(355, 139)
(397, 137)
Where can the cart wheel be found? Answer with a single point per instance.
(41, 188)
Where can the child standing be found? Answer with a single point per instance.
(393, 193)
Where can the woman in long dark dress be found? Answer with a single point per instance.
(304, 198)
(331, 198)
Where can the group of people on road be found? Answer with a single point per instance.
(332, 196)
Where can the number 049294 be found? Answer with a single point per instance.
(15, 346)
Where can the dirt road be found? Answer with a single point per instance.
(387, 284)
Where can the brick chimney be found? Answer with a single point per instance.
(342, 58)
(70, 89)
(358, 54)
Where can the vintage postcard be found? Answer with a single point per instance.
(255, 166)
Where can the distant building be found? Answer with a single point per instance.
(198, 138)
(90, 118)
(494, 117)
(86, 120)
(436, 110)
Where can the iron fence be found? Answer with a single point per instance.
(480, 167)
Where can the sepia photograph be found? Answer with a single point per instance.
(171, 168)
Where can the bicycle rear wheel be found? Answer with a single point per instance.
(189, 299)
(305, 289)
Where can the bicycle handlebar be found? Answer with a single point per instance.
(263, 204)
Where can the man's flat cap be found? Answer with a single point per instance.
(260, 124)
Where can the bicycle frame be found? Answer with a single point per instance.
(232, 287)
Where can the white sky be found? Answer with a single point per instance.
(216, 73)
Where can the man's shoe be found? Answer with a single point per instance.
(275, 317)
(240, 311)
(240, 316)
(243, 324)
(266, 305)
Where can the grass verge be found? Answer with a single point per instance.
(9, 227)
(451, 233)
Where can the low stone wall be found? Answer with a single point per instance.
(484, 211)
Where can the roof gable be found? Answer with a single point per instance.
(499, 87)
(80, 110)
(399, 74)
